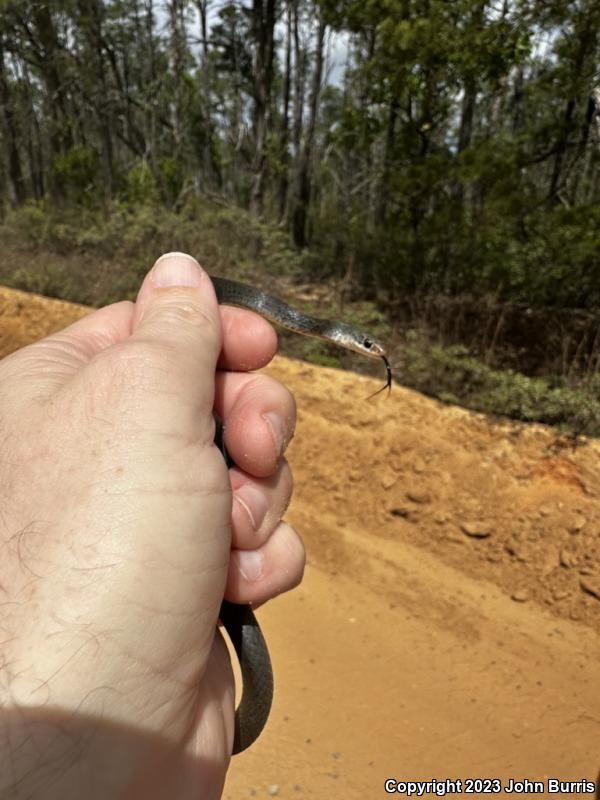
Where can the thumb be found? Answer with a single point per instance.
(177, 314)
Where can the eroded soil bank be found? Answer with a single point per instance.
(448, 625)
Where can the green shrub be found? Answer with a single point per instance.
(316, 352)
(451, 375)
(52, 279)
(75, 173)
(141, 185)
(27, 224)
(171, 171)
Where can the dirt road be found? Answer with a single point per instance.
(448, 625)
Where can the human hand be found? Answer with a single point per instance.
(115, 520)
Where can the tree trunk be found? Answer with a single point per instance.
(178, 59)
(17, 192)
(580, 162)
(263, 27)
(35, 147)
(151, 106)
(47, 52)
(465, 132)
(464, 190)
(209, 168)
(285, 122)
(517, 101)
(299, 81)
(91, 20)
(390, 137)
(587, 42)
(301, 205)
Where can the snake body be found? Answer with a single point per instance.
(232, 293)
(239, 620)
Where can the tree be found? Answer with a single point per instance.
(262, 29)
(304, 176)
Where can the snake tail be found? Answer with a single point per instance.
(252, 653)
(257, 691)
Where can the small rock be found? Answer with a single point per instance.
(439, 518)
(567, 558)
(397, 464)
(560, 594)
(400, 512)
(591, 586)
(388, 479)
(545, 510)
(517, 549)
(478, 530)
(520, 596)
(419, 466)
(274, 790)
(417, 496)
(548, 561)
(576, 523)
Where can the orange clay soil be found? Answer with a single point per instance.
(448, 624)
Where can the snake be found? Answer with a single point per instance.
(238, 619)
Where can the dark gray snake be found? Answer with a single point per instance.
(239, 620)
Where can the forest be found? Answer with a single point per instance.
(439, 159)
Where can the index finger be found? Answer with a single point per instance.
(249, 341)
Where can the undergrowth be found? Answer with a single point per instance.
(86, 257)
(453, 376)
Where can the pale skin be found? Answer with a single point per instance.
(122, 529)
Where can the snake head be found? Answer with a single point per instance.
(373, 347)
(362, 343)
(352, 339)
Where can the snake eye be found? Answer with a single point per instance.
(368, 344)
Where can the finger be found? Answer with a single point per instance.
(41, 367)
(258, 505)
(249, 341)
(175, 343)
(258, 575)
(259, 416)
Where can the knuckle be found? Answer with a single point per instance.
(264, 386)
(177, 310)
